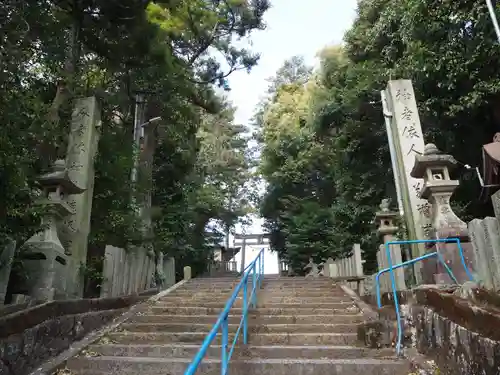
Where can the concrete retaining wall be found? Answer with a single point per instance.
(33, 335)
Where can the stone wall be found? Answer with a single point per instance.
(462, 337)
(460, 334)
(32, 336)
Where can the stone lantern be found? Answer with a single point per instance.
(44, 257)
(385, 219)
(434, 167)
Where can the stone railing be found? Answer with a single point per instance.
(283, 268)
(219, 268)
(383, 263)
(345, 269)
(127, 272)
(485, 238)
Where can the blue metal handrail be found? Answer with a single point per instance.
(392, 267)
(256, 268)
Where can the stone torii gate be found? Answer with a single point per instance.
(255, 239)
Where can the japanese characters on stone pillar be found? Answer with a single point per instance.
(434, 167)
(82, 148)
(406, 138)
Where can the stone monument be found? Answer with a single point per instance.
(434, 167)
(82, 149)
(406, 140)
(44, 257)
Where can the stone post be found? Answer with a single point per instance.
(82, 148)
(406, 140)
(484, 235)
(7, 252)
(387, 228)
(187, 273)
(434, 167)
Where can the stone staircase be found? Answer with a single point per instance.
(300, 327)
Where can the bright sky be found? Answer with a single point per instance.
(294, 27)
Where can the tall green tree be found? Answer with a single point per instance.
(450, 52)
(54, 51)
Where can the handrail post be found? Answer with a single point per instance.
(254, 292)
(245, 311)
(263, 263)
(225, 339)
(260, 270)
(222, 327)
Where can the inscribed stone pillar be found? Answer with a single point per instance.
(386, 227)
(492, 240)
(406, 141)
(7, 253)
(484, 259)
(326, 267)
(495, 201)
(358, 259)
(82, 149)
(434, 167)
(187, 273)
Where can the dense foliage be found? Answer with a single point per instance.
(54, 51)
(324, 149)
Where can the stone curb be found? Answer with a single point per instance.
(50, 366)
(368, 312)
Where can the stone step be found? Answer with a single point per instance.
(214, 351)
(167, 318)
(214, 280)
(227, 288)
(197, 292)
(304, 282)
(235, 318)
(273, 310)
(321, 305)
(253, 327)
(254, 338)
(304, 293)
(161, 366)
(189, 310)
(303, 328)
(300, 310)
(306, 319)
(198, 299)
(308, 293)
(189, 303)
(318, 286)
(306, 339)
(172, 327)
(134, 338)
(304, 300)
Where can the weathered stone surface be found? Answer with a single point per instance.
(463, 337)
(11, 309)
(33, 335)
(309, 341)
(6, 258)
(374, 334)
